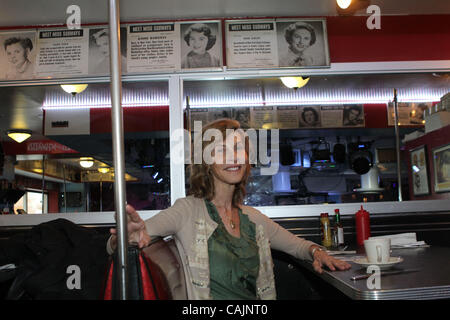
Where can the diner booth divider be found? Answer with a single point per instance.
(293, 281)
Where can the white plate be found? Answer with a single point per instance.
(383, 266)
(372, 190)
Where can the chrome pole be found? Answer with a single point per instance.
(43, 183)
(188, 115)
(118, 146)
(65, 193)
(101, 196)
(397, 147)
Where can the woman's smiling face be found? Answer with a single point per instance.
(16, 54)
(301, 40)
(198, 42)
(230, 160)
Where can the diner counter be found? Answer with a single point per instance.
(431, 281)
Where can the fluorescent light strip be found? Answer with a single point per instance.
(102, 99)
(224, 104)
(291, 98)
(149, 104)
(298, 103)
(242, 98)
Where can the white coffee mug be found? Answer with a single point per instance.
(378, 250)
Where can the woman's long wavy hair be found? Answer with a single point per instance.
(201, 175)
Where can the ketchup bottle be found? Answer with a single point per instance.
(362, 226)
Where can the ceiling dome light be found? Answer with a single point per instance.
(73, 89)
(344, 4)
(351, 7)
(19, 135)
(86, 162)
(294, 82)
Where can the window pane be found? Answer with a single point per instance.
(335, 136)
(70, 152)
(34, 203)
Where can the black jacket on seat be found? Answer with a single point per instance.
(43, 255)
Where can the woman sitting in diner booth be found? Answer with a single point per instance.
(224, 245)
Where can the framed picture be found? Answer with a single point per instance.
(201, 45)
(280, 43)
(409, 113)
(99, 50)
(419, 171)
(441, 161)
(302, 43)
(17, 55)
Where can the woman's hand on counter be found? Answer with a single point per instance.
(137, 233)
(321, 259)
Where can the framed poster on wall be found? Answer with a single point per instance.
(290, 43)
(175, 46)
(17, 55)
(201, 45)
(419, 171)
(62, 53)
(153, 47)
(251, 44)
(409, 113)
(302, 43)
(441, 161)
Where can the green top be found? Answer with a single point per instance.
(233, 262)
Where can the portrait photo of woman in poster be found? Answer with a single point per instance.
(18, 56)
(309, 117)
(302, 43)
(99, 50)
(201, 45)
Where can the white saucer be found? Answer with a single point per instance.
(372, 190)
(383, 266)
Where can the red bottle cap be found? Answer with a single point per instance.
(362, 210)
